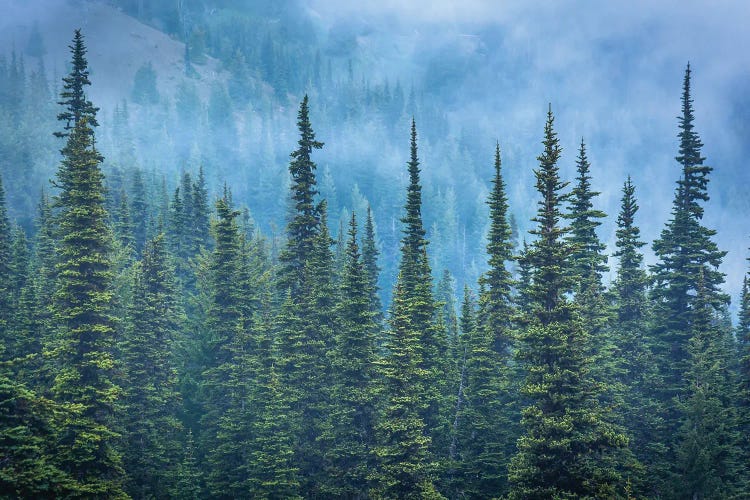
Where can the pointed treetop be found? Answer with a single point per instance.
(690, 143)
(73, 95)
(414, 232)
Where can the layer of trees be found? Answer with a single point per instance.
(156, 344)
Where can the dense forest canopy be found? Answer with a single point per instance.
(201, 296)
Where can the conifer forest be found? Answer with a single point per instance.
(281, 250)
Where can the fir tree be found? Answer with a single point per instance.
(354, 394)
(588, 259)
(488, 429)
(708, 453)
(200, 214)
(85, 381)
(73, 95)
(225, 384)
(139, 211)
(370, 255)
(304, 224)
(415, 346)
(27, 426)
(743, 340)
(685, 252)
(151, 400)
(568, 448)
(6, 289)
(635, 367)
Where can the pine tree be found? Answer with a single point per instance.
(123, 227)
(200, 214)
(225, 418)
(635, 367)
(568, 448)
(349, 440)
(139, 211)
(370, 255)
(707, 453)
(305, 221)
(151, 401)
(189, 476)
(85, 380)
(588, 260)
(488, 427)
(73, 95)
(685, 252)
(6, 289)
(27, 424)
(273, 473)
(743, 340)
(413, 423)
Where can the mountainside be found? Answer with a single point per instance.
(468, 83)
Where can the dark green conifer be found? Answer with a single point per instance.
(85, 381)
(139, 210)
(413, 426)
(305, 221)
(151, 402)
(708, 454)
(488, 430)
(6, 289)
(686, 252)
(635, 368)
(73, 95)
(568, 448)
(370, 255)
(354, 395)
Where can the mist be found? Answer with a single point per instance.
(480, 72)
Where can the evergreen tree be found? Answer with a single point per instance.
(304, 224)
(635, 367)
(743, 340)
(370, 255)
(85, 380)
(139, 211)
(200, 214)
(685, 252)
(27, 426)
(487, 425)
(73, 95)
(707, 452)
(355, 393)
(412, 424)
(6, 289)
(588, 260)
(568, 448)
(123, 227)
(273, 473)
(225, 418)
(150, 403)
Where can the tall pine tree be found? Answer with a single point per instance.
(568, 449)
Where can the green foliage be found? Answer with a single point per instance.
(85, 381)
(487, 427)
(634, 366)
(687, 256)
(355, 392)
(568, 448)
(708, 461)
(150, 400)
(27, 426)
(73, 94)
(304, 224)
(370, 255)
